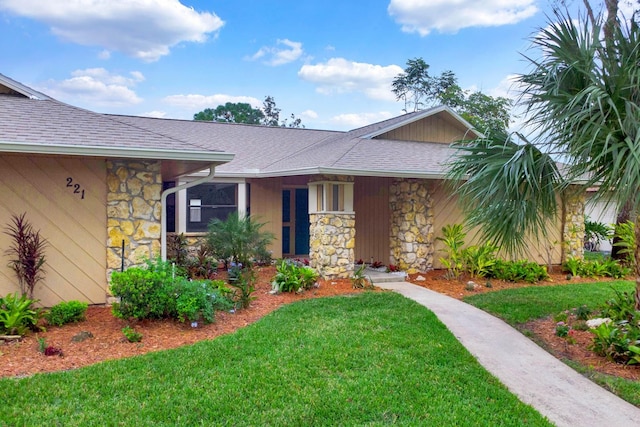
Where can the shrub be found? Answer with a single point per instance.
(453, 239)
(27, 252)
(291, 277)
(359, 280)
(17, 315)
(594, 233)
(244, 282)
(478, 260)
(625, 240)
(198, 300)
(145, 292)
(66, 312)
(131, 334)
(514, 271)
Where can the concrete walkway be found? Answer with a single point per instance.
(558, 392)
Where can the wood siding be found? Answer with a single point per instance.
(266, 206)
(74, 227)
(371, 204)
(446, 211)
(439, 128)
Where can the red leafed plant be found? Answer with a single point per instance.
(53, 351)
(26, 252)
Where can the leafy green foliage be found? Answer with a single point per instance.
(144, 292)
(608, 267)
(17, 315)
(231, 112)
(239, 239)
(131, 334)
(479, 259)
(66, 312)
(244, 282)
(159, 291)
(199, 299)
(594, 233)
(359, 280)
(26, 252)
(626, 241)
(291, 277)
(516, 271)
(453, 239)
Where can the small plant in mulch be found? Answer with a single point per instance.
(131, 334)
(48, 350)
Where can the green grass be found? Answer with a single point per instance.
(372, 359)
(520, 305)
(517, 306)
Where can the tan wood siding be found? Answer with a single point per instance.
(266, 205)
(371, 205)
(438, 128)
(447, 211)
(74, 227)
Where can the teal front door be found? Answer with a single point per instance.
(295, 221)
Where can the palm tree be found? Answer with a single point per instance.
(582, 95)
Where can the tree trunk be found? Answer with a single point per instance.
(637, 258)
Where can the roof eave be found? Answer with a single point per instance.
(115, 152)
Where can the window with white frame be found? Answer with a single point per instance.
(329, 196)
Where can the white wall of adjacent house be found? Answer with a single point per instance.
(600, 212)
(65, 199)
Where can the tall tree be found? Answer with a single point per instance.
(272, 115)
(231, 112)
(418, 89)
(582, 95)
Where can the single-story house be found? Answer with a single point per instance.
(106, 189)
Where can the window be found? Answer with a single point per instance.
(208, 201)
(331, 197)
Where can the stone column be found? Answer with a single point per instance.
(411, 239)
(133, 212)
(332, 244)
(573, 227)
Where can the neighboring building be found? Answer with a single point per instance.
(373, 193)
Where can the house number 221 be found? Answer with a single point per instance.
(77, 188)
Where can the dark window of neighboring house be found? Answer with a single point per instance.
(208, 201)
(171, 207)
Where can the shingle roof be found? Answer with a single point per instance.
(276, 151)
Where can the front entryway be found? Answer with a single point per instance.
(295, 221)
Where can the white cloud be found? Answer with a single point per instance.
(279, 56)
(341, 76)
(105, 54)
(96, 87)
(155, 114)
(144, 29)
(309, 114)
(195, 102)
(356, 120)
(449, 16)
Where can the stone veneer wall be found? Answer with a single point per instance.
(411, 239)
(573, 227)
(133, 212)
(332, 244)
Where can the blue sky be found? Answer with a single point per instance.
(329, 62)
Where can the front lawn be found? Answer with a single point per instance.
(368, 359)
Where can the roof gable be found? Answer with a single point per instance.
(438, 124)
(11, 87)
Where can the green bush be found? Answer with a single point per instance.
(514, 271)
(66, 312)
(625, 239)
(608, 267)
(478, 260)
(453, 239)
(17, 314)
(291, 277)
(239, 240)
(131, 334)
(198, 300)
(144, 293)
(244, 282)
